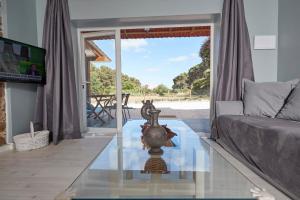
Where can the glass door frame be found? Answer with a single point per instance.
(83, 85)
(214, 41)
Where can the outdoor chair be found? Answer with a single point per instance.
(89, 109)
(92, 111)
(125, 107)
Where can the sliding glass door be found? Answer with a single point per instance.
(101, 87)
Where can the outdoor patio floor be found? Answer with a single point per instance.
(197, 119)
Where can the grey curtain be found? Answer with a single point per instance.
(57, 106)
(235, 60)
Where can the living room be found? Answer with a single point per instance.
(267, 47)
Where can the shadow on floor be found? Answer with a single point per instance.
(198, 125)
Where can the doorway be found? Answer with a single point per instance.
(106, 89)
(101, 94)
(171, 66)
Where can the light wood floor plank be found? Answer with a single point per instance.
(44, 173)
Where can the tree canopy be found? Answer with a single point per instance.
(180, 81)
(130, 84)
(103, 81)
(161, 89)
(197, 79)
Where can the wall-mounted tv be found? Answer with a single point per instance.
(21, 62)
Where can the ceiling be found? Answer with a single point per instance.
(190, 31)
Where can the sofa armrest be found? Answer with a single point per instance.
(229, 108)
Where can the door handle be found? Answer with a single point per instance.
(84, 83)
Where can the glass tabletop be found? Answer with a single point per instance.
(190, 169)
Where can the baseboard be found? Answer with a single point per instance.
(6, 147)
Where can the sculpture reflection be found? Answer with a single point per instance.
(155, 165)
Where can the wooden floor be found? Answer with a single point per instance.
(42, 174)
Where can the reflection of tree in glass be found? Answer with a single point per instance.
(103, 81)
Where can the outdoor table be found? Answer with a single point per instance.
(103, 102)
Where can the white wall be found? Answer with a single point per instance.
(289, 42)
(21, 21)
(261, 15)
(21, 26)
(40, 12)
(20, 107)
(103, 9)
(262, 19)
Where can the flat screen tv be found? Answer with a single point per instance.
(21, 62)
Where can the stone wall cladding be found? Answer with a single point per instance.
(2, 97)
(2, 114)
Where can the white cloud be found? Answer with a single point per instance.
(136, 45)
(152, 69)
(152, 85)
(179, 59)
(194, 55)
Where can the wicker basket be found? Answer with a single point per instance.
(30, 141)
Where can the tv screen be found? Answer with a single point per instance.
(21, 62)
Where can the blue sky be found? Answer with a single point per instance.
(155, 61)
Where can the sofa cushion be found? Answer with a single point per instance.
(291, 109)
(229, 108)
(265, 99)
(271, 146)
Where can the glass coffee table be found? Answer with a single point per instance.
(192, 169)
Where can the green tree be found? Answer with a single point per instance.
(201, 85)
(130, 84)
(180, 81)
(204, 53)
(197, 79)
(161, 89)
(102, 80)
(145, 89)
(194, 73)
(198, 70)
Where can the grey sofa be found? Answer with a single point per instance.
(269, 146)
